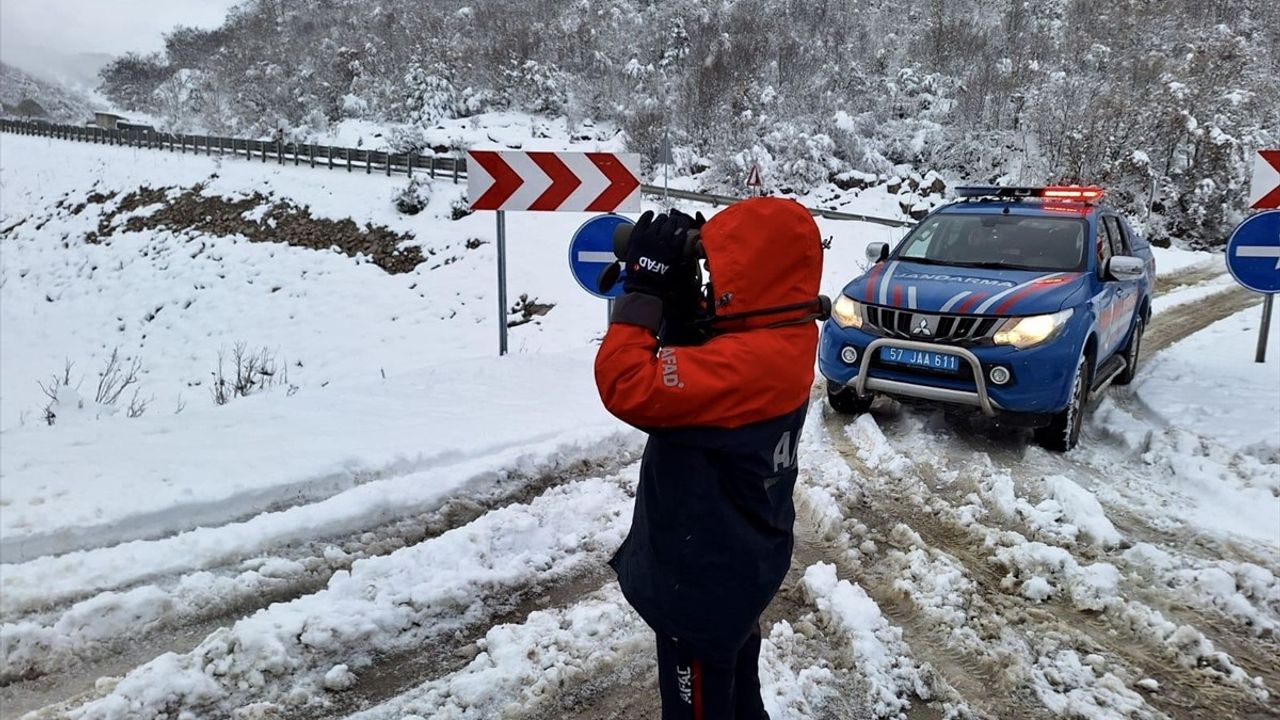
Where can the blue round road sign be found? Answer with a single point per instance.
(591, 251)
(1253, 252)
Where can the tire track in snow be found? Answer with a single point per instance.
(1188, 277)
(41, 667)
(1180, 321)
(928, 516)
(510, 598)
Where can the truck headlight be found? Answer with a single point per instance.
(847, 312)
(1031, 331)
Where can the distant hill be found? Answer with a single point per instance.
(52, 102)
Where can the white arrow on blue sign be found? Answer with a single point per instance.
(591, 251)
(1253, 252)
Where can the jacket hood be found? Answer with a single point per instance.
(763, 253)
(964, 290)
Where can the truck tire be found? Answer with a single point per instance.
(846, 402)
(1063, 431)
(1132, 354)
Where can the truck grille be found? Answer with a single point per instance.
(954, 329)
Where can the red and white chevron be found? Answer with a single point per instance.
(563, 181)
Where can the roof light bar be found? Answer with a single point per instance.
(1073, 192)
(1069, 193)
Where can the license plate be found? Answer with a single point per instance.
(920, 359)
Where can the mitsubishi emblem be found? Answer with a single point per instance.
(922, 328)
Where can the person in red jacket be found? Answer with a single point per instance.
(711, 537)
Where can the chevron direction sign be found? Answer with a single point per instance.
(553, 181)
(1264, 192)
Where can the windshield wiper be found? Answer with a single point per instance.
(923, 261)
(998, 266)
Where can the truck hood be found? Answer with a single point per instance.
(964, 290)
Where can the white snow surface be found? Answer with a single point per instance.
(1210, 384)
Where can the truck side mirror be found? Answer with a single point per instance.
(877, 252)
(1123, 267)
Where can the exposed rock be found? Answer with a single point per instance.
(282, 222)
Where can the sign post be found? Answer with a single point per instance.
(502, 282)
(1253, 258)
(547, 182)
(1261, 354)
(666, 159)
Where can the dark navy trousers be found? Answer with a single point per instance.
(693, 688)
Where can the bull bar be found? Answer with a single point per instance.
(864, 383)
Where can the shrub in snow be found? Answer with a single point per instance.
(459, 209)
(432, 96)
(114, 380)
(406, 139)
(527, 309)
(251, 372)
(414, 197)
(354, 106)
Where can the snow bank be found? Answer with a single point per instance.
(104, 483)
(1082, 510)
(396, 602)
(876, 646)
(520, 666)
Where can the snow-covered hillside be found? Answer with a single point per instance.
(409, 526)
(58, 103)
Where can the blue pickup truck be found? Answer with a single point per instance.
(1020, 303)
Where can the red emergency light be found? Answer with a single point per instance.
(1073, 192)
(1060, 193)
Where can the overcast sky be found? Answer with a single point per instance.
(97, 26)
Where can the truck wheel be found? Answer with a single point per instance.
(1132, 354)
(1063, 431)
(846, 402)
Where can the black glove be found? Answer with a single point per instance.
(695, 223)
(657, 247)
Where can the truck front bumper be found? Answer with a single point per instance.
(1039, 385)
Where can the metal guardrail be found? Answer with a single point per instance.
(718, 200)
(336, 158)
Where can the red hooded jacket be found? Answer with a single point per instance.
(711, 537)
(761, 253)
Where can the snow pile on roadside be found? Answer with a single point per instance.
(1071, 686)
(789, 686)
(83, 486)
(373, 503)
(385, 604)
(521, 666)
(1068, 514)
(1244, 591)
(1039, 571)
(877, 647)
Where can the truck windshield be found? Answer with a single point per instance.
(1024, 242)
